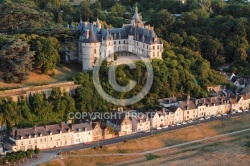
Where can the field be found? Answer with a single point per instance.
(161, 140)
(61, 74)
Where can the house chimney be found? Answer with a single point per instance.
(188, 99)
(14, 132)
(211, 100)
(62, 125)
(90, 123)
(87, 34)
(196, 101)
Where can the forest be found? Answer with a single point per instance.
(206, 35)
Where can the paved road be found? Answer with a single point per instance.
(47, 155)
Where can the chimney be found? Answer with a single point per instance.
(211, 100)
(14, 132)
(196, 101)
(62, 125)
(35, 128)
(90, 123)
(188, 99)
(46, 127)
(87, 34)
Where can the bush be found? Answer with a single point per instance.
(125, 141)
(152, 156)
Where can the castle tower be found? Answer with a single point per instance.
(90, 49)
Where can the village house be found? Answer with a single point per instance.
(177, 114)
(189, 108)
(42, 137)
(97, 131)
(140, 123)
(157, 118)
(82, 133)
(120, 122)
(167, 102)
(107, 131)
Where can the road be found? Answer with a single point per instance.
(49, 154)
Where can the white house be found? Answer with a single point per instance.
(82, 133)
(140, 123)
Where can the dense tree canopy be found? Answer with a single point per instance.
(16, 60)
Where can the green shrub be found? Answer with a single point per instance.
(151, 156)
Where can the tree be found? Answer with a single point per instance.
(117, 10)
(46, 53)
(162, 21)
(37, 151)
(84, 10)
(16, 60)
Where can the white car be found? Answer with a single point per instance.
(207, 117)
(233, 112)
(158, 128)
(239, 111)
(201, 119)
(164, 127)
(246, 110)
(224, 114)
(219, 115)
(184, 123)
(178, 124)
(190, 121)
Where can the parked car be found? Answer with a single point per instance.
(190, 121)
(233, 112)
(184, 122)
(201, 119)
(164, 127)
(172, 125)
(246, 110)
(178, 124)
(212, 116)
(225, 114)
(158, 128)
(219, 115)
(207, 117)
(238, 111)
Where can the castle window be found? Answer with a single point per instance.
(124, 42)
(153, 47)
(119, 42)
(94, 51)
(115, 42)
(158, 47)
(147, 46)
(137, 43)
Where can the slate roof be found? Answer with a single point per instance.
(246, 89)
(117, 117)
(82, 127)
(96, 35)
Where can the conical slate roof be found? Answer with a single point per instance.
(92, 37)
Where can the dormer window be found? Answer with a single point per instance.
(79, 130)
(40, 135)
(35, 135)
(50, 133)
(60, 131)
(29, 135)
(21, 137)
